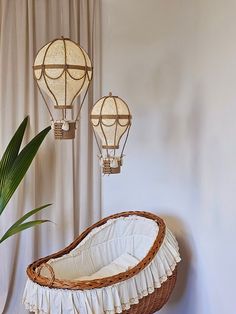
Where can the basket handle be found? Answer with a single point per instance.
(51, 271)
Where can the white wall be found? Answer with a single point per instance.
(174, 62)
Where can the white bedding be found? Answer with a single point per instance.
(121, 264)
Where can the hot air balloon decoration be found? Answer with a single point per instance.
(111, 119)
(62, 70)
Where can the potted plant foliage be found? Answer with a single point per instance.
(13, 167)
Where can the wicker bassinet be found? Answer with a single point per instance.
(143, 289)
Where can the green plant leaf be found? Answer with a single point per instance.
(20, 167)
(21, 227)
(11, 152)
(27, 215)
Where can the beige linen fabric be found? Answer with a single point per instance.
(65, 173)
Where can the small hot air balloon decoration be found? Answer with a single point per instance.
(62, 70)
(111, 120)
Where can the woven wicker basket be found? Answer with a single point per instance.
(107, 169)
(147, 305)
(60, 134)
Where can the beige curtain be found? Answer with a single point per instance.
(65, 173)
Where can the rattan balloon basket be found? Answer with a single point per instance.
(108, 169)
(147, 305)
(60, 134)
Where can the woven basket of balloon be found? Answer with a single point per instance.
(64, 130)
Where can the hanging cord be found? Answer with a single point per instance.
(93, 30)
(92, 57)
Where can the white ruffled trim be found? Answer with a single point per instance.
(109, 300)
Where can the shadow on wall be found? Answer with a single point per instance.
(183, 299)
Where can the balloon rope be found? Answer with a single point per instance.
(121, 155)
(77, 117)
(45, 101)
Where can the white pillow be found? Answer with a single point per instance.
(122, 263)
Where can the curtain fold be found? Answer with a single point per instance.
(65, 173)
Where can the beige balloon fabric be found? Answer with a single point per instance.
(104, 116)
(65, 173)
(61, 85)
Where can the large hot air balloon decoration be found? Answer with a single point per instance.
(111, 119)
(62, 70)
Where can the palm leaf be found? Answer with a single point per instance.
(20, 167)
(27, 215)
(11, 152)
(16, 227)
(21, 227)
